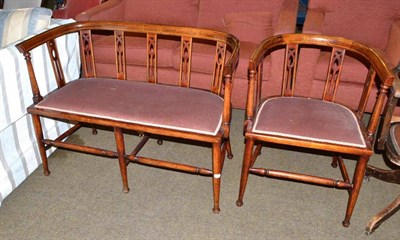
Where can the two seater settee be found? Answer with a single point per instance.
(249, 20)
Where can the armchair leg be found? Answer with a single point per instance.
(357, 182)
(216, 151)
(119, 139)
(245, 170)
(39, 136)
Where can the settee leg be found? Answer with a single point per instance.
(229, 148)
(119, 139)
(39, 136)
(216, 151)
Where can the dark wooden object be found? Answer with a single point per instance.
(388, 141)
(316, 124)
(99, 97)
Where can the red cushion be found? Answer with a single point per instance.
(171, 12)
(163, 106)
(249, 26)
(309, 119)
(104, 50)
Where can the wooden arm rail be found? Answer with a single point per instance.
(145, 106)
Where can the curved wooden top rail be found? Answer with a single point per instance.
(201, 33)
(378, 62)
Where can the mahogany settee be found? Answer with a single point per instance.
(149, 108)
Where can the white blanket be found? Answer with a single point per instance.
(19, 155)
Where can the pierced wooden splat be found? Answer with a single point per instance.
(120, 59)
(290, 67)
(333, 75)
(152, 58)
(186, 61)
(55, 62)
(86, 44)
(219, 60)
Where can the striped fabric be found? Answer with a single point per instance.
(19, 154)
(19, 23)
(11, 4)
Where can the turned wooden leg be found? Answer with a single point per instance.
(256, 153)
(39, 138)
(119, 139)
(229, 148)
(357, 182)
(216, 151)
(247, 158)
(335, 161)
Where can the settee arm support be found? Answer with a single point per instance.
(229, 76)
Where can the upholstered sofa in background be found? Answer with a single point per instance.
(371, 22)
(250, 20)
(19, 154)
(71, 8)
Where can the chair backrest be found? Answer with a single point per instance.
(12, 4)
(379, 71)
(224, 59)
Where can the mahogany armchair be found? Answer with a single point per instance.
(147, 107)
(320, 125)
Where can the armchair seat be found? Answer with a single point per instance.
(309, 119)
(182, 109)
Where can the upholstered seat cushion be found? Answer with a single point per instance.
(170, 107)
(309, 119)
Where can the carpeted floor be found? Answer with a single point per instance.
(83, 198)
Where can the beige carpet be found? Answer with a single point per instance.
(83, 198)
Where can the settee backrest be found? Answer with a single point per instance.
(367, 21)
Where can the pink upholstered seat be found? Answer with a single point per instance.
(309, 119)
(184, 109)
